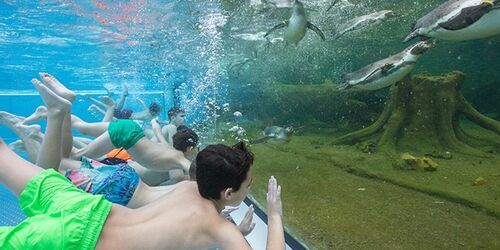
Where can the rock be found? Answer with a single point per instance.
(479, 181)
(368, 147)
(410, 162)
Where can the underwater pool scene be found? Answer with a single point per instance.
(379, 119)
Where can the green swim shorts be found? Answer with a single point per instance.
(60, 216)
(125, 133)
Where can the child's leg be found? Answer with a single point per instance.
(97, 148)
(57, 108)
(60, 90)
(24, 132)
(81, 142)
(15, 172)
(94, 129)
(124, 95)
(94, 108)
(32, 146)
(69, 164)
(109, 116)
(39, 114)
(96, 102)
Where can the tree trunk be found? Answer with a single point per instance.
(422, 115)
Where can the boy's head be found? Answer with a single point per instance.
(177, 116)
(185, 140)
(223, 172)
(154, 109)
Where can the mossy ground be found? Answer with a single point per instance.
(338, 197)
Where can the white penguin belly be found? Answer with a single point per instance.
(488, 25)
(296, 30)
(388, 80)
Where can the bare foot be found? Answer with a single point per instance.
(39, 114)
(56, 104)
(93, 108)
(109, 92)
(17, 146)
(37, 136)
(32, 131)
(108, 101)
(57, 87)
(9, 119)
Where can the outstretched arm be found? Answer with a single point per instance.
(232, 239)
(275, 233)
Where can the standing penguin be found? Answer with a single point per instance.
(387, 71)
(296, 26)
(460, 20)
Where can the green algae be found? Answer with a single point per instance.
(338, 197)
(351, 196)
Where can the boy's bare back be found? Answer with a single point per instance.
(181, 219)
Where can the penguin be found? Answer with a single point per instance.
(276, 133)
(363, 21)
(384, 73)
(296, 26)
(459, 20)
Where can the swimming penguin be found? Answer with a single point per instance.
(387, 71)
(363, 21)
(296, 26)
(460, 20)
(276, 133)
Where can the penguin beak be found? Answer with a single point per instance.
(411, 36)
(421, 47)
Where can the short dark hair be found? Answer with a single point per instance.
(192, 171)
(181, 127)
(174, 111)
(184, 138)
(154, 108)
(219, 167)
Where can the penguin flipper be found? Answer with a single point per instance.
(279, 26)
(467, 17)
(384, 69)
(412, 35)
(316, 29)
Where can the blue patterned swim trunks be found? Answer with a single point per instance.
(117, 183)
